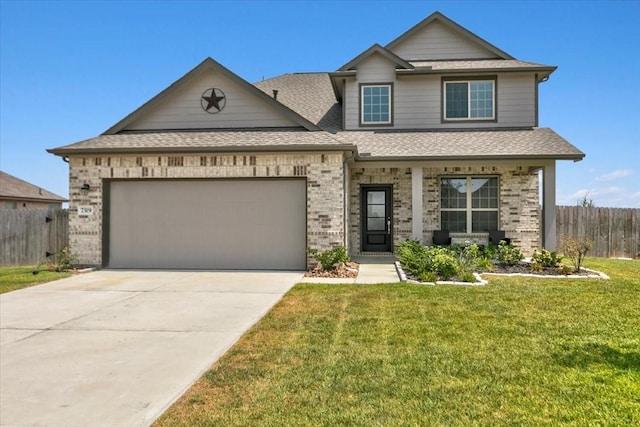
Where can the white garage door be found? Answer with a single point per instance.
(207, 224)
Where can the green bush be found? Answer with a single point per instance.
(428, 276)
(329, 259)
(467, 276)
(445, 263)
(564, 269)
(430, 263)
(508, 254)
(546, 258)
(414, 257)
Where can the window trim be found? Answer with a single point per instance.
(468, 80)
(469, 209)
(361, 121)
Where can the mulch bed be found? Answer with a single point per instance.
(520, 268)
(342, 271)
(525, 268)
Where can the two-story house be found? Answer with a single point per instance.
(438, 130)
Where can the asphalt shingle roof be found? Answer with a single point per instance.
(203, 141)
(374, 145)
(479, 64)
(479, 144)
(308, 94)
(15, 188)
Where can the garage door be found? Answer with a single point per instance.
(207, 224)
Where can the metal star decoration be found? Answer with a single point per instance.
(213, 100)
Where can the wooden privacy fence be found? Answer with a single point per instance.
(615, 231)
(28, 236)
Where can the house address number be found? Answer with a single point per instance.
(85, 210)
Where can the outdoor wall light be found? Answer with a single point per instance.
(85, 189)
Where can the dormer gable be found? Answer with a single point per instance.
(210, 97)
(439, 38)
(376, 49)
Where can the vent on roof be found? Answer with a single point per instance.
(275, 94)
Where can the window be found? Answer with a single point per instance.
(375, 104)
(469, 204)
(469, 100)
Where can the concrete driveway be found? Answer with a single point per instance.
(116, 348)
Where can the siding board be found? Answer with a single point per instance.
(183, 110)
(417, 100)
(436, 41)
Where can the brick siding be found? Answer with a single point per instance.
(323, 172)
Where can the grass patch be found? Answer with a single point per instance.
(520, 351)
(14, 278)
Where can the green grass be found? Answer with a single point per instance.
(13, 278)
(520, 351)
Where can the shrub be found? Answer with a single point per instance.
(64, 259)
(428, 276)
(445, 264)
(564, 269)
(546, 258)
(467, 276)
(470, 259)
(414, 257)
(575, 249)
(508, 254)
(536, 267)
(329, 259)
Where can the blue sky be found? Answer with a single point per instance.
(70, 70)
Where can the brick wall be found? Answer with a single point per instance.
(400, 178)
(519, 202)
(325, 188)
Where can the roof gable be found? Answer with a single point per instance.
(376, 49)
(179, 105)
(438, 38)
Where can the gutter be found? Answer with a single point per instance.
(64, 152)
(368, 158)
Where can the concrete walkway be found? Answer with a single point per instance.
(116, 348)
(373, 269)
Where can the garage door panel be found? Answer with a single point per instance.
(223, 224)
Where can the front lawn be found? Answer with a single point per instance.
(13, 278)
(520, 351)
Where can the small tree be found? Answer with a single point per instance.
(585, 202)
(575, 249)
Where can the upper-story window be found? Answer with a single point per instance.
(470, 99)
(375, 104)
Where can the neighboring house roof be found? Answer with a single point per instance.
(310, 95)
(540, 143)
(12, 188)
(199, 141)
(209, 64)
(453, 26)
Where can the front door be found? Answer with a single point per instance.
(377, 208)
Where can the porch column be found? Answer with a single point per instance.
(549, 206)
(416, 204)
